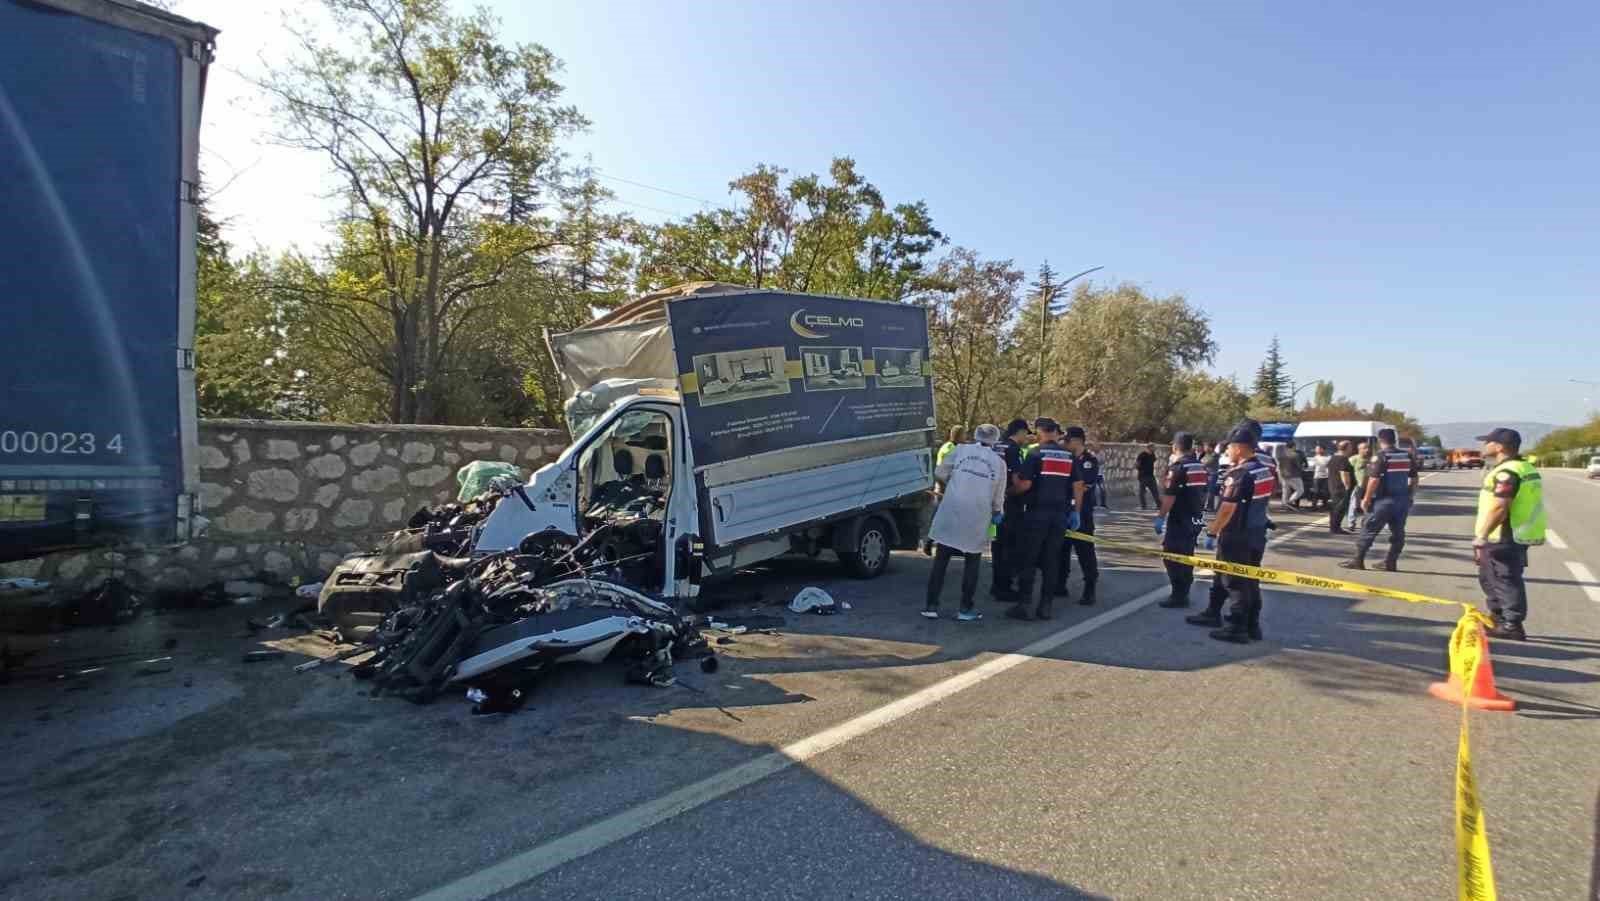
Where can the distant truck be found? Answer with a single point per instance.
(807, 448)
(1464, 458)
(99, 154)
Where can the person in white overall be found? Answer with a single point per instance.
(974, 478)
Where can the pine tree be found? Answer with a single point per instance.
(1271, 386)
(1032, 333)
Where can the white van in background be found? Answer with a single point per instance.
(1307, 435)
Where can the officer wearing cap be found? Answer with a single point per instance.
(1240, 530)
(1183, 499)
(1051, 493)
(1002, 577)
(1212, 616)
(1511, 519)
(1391, 478)
(1086, 468)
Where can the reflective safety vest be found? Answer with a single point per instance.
(944, 451)
(1527, 516)
(1396, 479)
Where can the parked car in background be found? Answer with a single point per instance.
(1464, 458)
(1594, 467)
(1430, 457)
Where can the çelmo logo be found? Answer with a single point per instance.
(804, 324)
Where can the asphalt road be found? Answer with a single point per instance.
(1146, 761)
(878, 755)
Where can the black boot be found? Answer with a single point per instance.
(1019, 610)
(1354, 563)
(1233, 633)
(1175, 602)
(1506, 631)
(1390, 565)
(1207, 617)
(1046, 610)
(1088, 595)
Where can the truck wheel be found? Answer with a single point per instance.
(871, 555)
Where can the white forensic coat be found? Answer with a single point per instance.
(974, 479)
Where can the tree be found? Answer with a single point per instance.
(1271, 387)
(1435, 441)
(432, 124)
(1322, 395)
(1208, 406)
(971, 303)
(828, 236)
(1120, 355)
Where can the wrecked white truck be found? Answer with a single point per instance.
(716, 427)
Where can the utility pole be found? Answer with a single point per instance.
(1048, 308)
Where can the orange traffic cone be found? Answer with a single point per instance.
(1483, 696)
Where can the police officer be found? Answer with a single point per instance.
(1511, 519)
(1051, 494)
(1391, 478)
(1240, 530)
(1183, 499)
(1086, 468)
(1002, 579)
(1212, 616)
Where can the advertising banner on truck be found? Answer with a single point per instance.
(765, 371)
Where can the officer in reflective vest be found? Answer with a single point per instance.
(1511, 519)
(1086, 467)
(1183, 499)
(1241, 533)
(1002, 584)
(1391, 479)
(1051, 494)
(1212, 615)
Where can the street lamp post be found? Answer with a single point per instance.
(1048, 308)
(1295, 392)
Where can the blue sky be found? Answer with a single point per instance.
(1405, 193)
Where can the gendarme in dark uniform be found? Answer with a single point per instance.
(1183, 499)
(1087, 470)
(1241, 532)
(1391, 477)
(1049, 487)
(1002, 584)
(1212, 617)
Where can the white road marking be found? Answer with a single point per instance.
(528, 865)
(535, 862)
(1554, 540)
(1586, 580)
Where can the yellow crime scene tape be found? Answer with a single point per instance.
(1474, 873)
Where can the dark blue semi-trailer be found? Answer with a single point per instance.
(99, 158)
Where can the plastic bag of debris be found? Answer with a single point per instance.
(814, 600)
(474, 478)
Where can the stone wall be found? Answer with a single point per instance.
(1117, 460)
(287, 500)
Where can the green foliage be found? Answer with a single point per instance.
(971, 304)
(1271, 386)
(444, 138)
(1119, 357)
(825, 236)
(1579, 438)
(1322, 395)
(1208, 406)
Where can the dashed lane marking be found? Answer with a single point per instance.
(1554, 540)
(1586, 579)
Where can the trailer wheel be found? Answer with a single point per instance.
(871, 554)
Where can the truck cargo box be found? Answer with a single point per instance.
(99, 129)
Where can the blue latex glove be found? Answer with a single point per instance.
(1161, 524)
(1072, 520)
(997, 518)
(1211, 543)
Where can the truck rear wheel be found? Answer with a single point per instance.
(870, 556)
